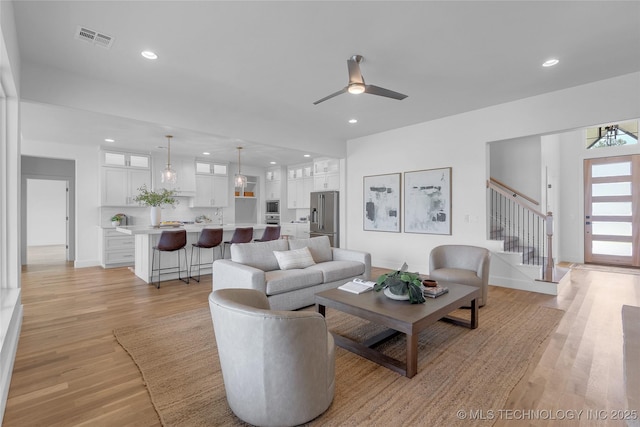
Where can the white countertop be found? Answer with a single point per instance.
(190, 228)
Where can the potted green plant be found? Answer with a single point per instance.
(155, 199)
(401, 284)
(115, 220)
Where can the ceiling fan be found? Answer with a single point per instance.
(356, 83)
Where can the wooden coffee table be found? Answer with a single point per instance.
(399, 317)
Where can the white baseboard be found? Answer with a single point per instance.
(86, 263)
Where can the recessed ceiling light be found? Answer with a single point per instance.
(550, 62)
(272, 163)
(148, 54)
(109, 140)
(206, 153)
(307, 155)
(353, 121)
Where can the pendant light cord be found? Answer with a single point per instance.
(169, 151)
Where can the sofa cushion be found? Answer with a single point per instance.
(319, 246)
(258, 254)
(295, 258)
(280, 281)
(337, 270)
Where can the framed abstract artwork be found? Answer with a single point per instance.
(382, 202)
(427, 201)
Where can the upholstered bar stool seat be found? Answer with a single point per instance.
(209, 238)
(270, 233)
(240, 235)
(170, 241)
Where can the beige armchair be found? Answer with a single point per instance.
(464, 264)
(278, 366)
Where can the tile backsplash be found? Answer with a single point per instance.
(181, 212)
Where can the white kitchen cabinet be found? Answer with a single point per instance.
(295, 230)
(299, 186)
(273, 184)
(122, 159)
(120, 185)
(326, 174)
(302, 230)
(118, 249)
(121, 176)
(288, 229)
(186, 175)
(212, 184)
(211, 191)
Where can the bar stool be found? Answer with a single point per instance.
(270, 233)
(170, 241)
(209, 238)
(240, 235)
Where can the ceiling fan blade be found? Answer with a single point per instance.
(355, 75)
(376, 90)
(343, 90)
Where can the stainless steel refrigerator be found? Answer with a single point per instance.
(324, 215)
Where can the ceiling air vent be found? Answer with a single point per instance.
(94, 37)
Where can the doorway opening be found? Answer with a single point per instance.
(47, 221)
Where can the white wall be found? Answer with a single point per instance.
(46, 212)
(516, 163)
(87, 200)
(420, 147)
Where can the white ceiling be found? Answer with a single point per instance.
(247, 73)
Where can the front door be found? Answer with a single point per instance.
(612, 210)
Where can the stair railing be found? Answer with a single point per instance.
(521, 225)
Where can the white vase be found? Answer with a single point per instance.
(155, 215)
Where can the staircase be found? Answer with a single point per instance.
(524, 261)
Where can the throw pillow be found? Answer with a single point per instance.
(297, 258)
(319, 246)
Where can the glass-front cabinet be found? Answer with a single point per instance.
(299, 185)
(121, 176)
(212, 184)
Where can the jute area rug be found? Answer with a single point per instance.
(458, 369)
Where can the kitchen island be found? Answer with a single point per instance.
(146, 237)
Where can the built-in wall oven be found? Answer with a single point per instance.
(272, 207)
(272, 219)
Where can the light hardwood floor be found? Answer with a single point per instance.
(70, 370)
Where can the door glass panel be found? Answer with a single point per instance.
(611, 248)
(203, 167)
(219, 169)
(611, 228)
(114, 159)
(611, 169)
(611, 209)
(611, 189)
(139, 161)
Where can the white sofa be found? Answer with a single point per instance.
(255, 266)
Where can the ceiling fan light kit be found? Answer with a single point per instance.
(357, 85)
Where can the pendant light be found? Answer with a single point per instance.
(169, 175)
(240, 180)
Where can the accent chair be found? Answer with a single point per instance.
(278, 367)
(468, 265)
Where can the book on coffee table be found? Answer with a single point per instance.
(434, 291)
(357, 286)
